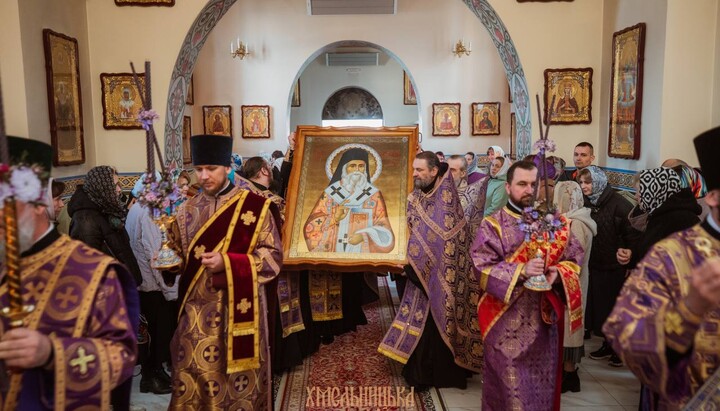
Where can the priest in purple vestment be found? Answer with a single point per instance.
(435, 332)
(472, 194)
(79, 343)
(666, 322)
(521, 333)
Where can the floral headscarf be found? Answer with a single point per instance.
(656, 186)
(599, 182)
(568, 197)
(100, 187)
(692, 179)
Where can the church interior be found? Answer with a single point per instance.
(391, 63)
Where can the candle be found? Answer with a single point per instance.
(231, 48)
(12, 257)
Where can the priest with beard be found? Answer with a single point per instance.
(522, 328)
(77, 348)
(349, 217)
(435, 332)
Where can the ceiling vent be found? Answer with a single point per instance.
(351, 59)
(330, 7)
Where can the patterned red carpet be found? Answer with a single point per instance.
(352, 360)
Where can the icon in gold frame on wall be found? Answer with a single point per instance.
(121, 100)
(190, 98)
(296, 95)
(186, 133)
(409, 96)
(255, 121)
(513, 137)
(446, 119)
(145, 3)
(217, 120)
(572, 90)
(485, 119)
(64, 98)
(626, 92)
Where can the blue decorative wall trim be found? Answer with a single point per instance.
(127, 181)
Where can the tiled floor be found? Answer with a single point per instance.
(604, 388)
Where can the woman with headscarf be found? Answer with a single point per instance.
(473, 172)
(610, 211)
(692, 179)
(569, 201)
(669, 208)
(98, 217)
(496, 196)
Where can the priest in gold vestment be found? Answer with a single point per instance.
(231, 244)
(666, 322)
(78, 345)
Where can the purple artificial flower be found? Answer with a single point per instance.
(146, 118)
(544, 145)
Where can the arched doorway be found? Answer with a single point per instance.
(405, 116)
(215, 9)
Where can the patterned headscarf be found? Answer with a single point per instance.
(692, 179)
(599, 182)
(236, 162)
(656, 186)
(472, 166)
(568, 197)
(100, 187)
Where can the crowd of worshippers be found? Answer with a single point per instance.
(638, 268)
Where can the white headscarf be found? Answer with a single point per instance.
(503, 170)
(499, 152)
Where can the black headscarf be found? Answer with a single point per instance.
(352, 154)
(100, 188)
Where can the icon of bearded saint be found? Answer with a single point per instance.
(350, 216)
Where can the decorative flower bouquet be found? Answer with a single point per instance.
(21, 182)
(160, 196)
(541, 222)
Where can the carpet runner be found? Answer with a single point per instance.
(352, 360)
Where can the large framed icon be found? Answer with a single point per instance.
(347, 197)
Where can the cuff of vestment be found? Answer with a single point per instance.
(681, 325)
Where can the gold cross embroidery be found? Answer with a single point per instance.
(199, 251)
(82, 360)
(248, 217)
(244, 306)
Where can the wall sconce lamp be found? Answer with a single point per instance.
(239, 50)
(461, 49)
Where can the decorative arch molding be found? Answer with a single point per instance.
(215, 9)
